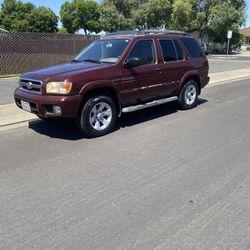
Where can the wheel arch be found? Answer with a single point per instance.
(93, 89)
(191, 76)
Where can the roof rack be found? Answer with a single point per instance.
(124, 33)
(170, 32)
(143, 32)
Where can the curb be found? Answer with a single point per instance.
(18, 122)
(15, 125)
(9, 78)
(211, 84)
(10, 114)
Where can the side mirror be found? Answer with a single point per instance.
(132, 62)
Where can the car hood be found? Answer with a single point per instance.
(63, 71)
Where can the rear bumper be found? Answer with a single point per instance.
(41, 104)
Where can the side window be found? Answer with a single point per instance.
(178, 50)
(144, 50)
(193, 47)
(168, 50)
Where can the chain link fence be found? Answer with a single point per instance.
(21, 52)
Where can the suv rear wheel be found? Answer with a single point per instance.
(98, 116)
(189, 95)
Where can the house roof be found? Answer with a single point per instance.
(245, 32)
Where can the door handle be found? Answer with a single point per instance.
(157, 69)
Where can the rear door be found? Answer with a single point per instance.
(173, 66)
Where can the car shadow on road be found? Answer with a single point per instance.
(144, 115)
(66, 129)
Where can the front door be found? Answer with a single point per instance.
(148, 77)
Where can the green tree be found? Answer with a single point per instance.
(181, 15)
(42, 20)
(80, 14)
(201, 15)
(216, 17)
(62, 31)
(213, 17)
(25, 17)
(131, 14)
(117, 14)
(123, 7)
(111, 20)
(152, 14)
(227, 15)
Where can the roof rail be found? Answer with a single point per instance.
(170, 32)
(143, 32)
(124, 32)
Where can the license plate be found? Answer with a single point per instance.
(25, 106)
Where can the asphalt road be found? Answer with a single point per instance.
(216, 63)
(165, 179)
(7, 88)
(219, 63)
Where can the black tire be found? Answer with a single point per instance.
(89, 113)
(190, 102)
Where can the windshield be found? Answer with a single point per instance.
(103, 51)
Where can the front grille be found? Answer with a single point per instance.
(31, 85)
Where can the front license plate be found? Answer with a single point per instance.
(25, 106)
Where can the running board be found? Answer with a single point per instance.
(149, 104)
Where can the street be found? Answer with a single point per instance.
(164, 179)
(224, 63)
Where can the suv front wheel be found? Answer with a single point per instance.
(98, 116)
(189, 95)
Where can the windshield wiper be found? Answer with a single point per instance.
(74, 60)
(92, 61)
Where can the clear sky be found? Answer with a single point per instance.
(56, 4)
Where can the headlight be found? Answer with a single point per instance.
(58, 87)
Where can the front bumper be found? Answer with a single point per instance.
(41, 104)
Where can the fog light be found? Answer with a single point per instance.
(57, 109)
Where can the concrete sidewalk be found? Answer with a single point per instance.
(11, 115)
(229, 76)
(242, 54)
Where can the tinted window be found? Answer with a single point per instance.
(145, 51)
(168, 50)
(193, 47)
(178, 50)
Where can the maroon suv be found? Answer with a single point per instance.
(121, 72)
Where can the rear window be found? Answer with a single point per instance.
(168, 50)
(171, 50)
(178, 50)
(193, 47)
